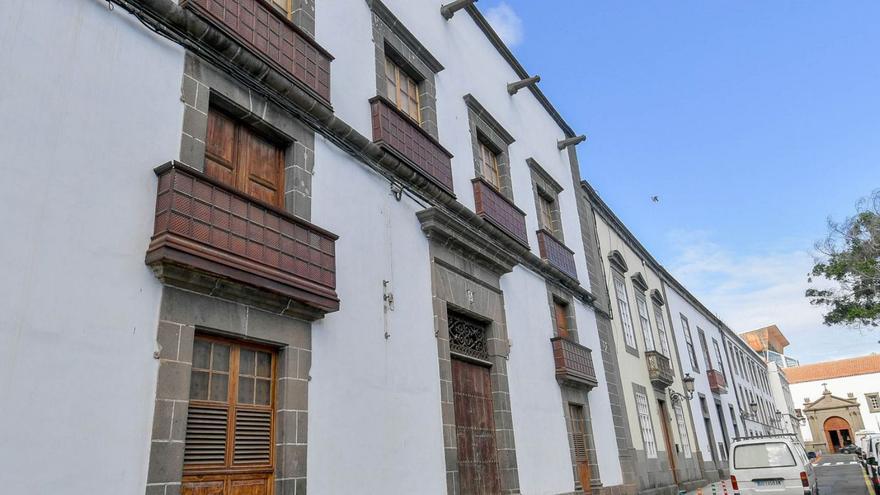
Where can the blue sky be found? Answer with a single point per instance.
(753, 121)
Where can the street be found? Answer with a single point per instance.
(838, 474)
(841, 474)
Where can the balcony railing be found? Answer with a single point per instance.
(574, 363)
(556, 253)
(659, 369)
(266, 31)
(205, 229)
(717, 382)
(400, 134)
(499, 211)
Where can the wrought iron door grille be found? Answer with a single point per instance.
(467, 337)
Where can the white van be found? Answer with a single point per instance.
(773, 464)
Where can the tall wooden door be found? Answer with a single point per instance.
(580, 443)
(475, 429)
(667, 437)
(241, 158)
(229, 424)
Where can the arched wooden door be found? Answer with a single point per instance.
(837, 433)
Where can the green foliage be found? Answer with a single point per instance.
(849, 267)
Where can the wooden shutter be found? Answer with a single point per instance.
(229, 427)
(561, 319)
(579, 446)
(241, 158)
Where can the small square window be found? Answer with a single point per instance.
(873, 402)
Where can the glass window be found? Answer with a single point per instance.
(661, 331)
(762, 455)
(690, 343)
(645, 321)
(545, 212)
(718, 356)
(682, 430)
(403, 90)
(489, 166)
(645, 424)
(629, 334)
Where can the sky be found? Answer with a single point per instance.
(753, 121)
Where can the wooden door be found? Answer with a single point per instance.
(667, 437)
(241, 158)
(561, 315)
(580, 444)
(230, 423)
(475, 429)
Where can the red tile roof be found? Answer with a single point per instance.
(834, 369)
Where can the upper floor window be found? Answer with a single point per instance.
(489, 165)
(661, 330)
(629, 335)
(645, 321)
(490, 143)
(705, 348)
(560, 315)
(690, 343)
(718, 357)
(546, 191)
(545, 211)
(402, 89)
(239, 157)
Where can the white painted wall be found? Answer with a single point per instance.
(91, 104)
(858, 385)
(374, 403)
(780, 390)
(678, 306)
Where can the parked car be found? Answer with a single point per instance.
(850, 449)
(775, 464)
(871, 450)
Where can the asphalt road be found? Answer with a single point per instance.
(841, 474)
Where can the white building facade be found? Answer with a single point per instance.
(700, 345)
(276, 248)
(752, 387)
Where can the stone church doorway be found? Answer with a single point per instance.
(837, 433)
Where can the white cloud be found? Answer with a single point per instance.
(751, 291)
(506, 23)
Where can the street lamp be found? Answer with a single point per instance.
(675, 396)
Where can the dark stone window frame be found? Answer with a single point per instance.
(557, 296)
(393, 39)
(576, 396)
(868, 397)
(486, 130)
(544, 186)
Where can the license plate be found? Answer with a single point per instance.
(768, 482)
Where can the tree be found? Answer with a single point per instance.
(849, 257)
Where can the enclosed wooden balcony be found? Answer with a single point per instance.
(208, 236)
(717, 382)
(574, 363)
(659, 369)
(556, 253)
(401, 135)
(495, 208)
(272, 37)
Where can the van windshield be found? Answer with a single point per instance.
(762, 455)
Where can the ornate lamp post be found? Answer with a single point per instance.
(675, 396)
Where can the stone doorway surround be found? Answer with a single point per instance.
(830, 412)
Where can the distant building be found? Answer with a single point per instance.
(833, 421)
(770, 343)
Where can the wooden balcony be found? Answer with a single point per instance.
(499, 211)
(208, 236)
(272, 37)
(556, 253)
(717, 382)
(400, 134)
(574, 363)
(659, 369)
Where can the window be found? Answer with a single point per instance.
(230, 418)
(661, 331)
(579, 443)
(489, 166)
(718, 356)
(873, 400)
(560, 311)
(629, 334)
(645, 321)
(762, 455)
(239, 157)
(402, 89)
(682, 430)
(705, 348)
(645, 424)
(690, 343)
(545, 211)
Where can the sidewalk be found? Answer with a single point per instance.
(720, 488)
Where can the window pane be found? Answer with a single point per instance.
(246, 390)
(761, 455)
(219, 387)
(220, 360)
(247, 363)
(263, 392)
(198, 387)
(201, 354)
(264, 364)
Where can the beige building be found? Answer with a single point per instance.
(663, 455)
